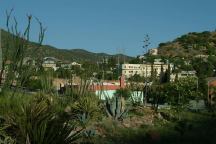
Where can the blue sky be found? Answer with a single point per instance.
(111, 25)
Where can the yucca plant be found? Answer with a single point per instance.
(85, 101)
(36, 122)
(88, 104)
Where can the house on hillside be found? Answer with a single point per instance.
(76, 64)
(50, 62)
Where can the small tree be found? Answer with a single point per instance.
(179, 93)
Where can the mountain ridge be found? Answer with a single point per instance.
(76, 54)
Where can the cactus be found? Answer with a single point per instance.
(115, 108)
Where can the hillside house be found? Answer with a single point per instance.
(50, 62)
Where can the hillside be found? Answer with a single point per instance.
(190, 45)
(65, 54)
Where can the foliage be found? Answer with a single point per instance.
(63, 73)
(136, 78)
(157, 95)
(203, 68)
(33, 84)
(135, 61)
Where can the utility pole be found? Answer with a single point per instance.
(119, 51)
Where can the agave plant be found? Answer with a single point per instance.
(115, 108)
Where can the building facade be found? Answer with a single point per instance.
(145, 70)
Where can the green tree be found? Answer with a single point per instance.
(203, 68)
(153, 77)
(167, 74)
(162, 75)
(180, 92)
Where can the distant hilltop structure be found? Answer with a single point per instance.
(153, 51)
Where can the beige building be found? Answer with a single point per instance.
(145, 70)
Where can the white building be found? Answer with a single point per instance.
(144, 69)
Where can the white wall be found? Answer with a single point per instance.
(136, 95)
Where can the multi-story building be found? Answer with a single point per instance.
(145, 70)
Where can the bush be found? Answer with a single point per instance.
(33, 84)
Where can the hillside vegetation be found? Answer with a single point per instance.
(65, 54)
(190, 45)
